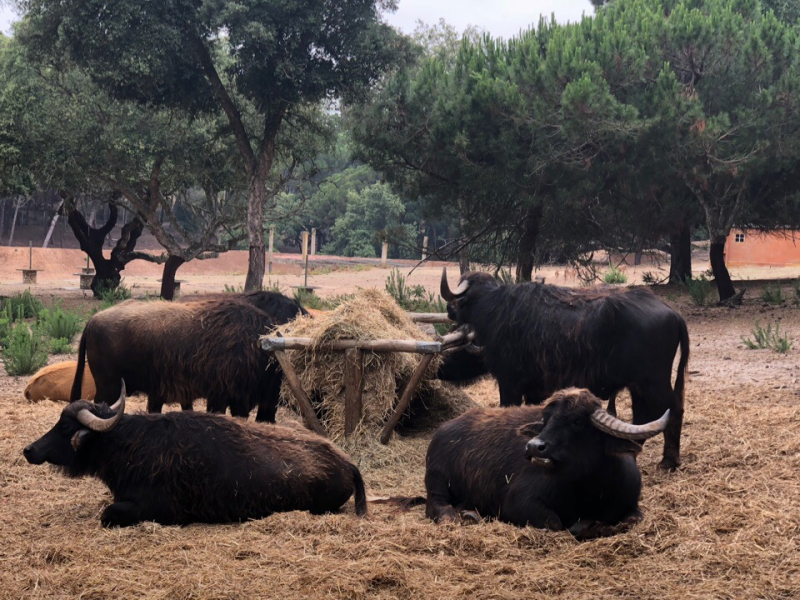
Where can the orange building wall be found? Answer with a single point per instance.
(767, 249)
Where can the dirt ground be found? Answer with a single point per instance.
(725, 525)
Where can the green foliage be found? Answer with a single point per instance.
(59, 324)
(412, 298)
(23, 306)
(5, 330)
(233, 289)
(27, 350)
(505, 276)
(615, 275)
(308, 299)
(796, 287)
(699, 290)
(773, 294)
(767, 337)
(61, 346)
(111, 295)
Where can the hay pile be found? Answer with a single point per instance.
(370, 315)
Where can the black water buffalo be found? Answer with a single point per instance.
(565, 465)
(177, 352)
(182, 467)
(541, 338)
(280, 308)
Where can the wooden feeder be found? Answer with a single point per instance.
(354, 370)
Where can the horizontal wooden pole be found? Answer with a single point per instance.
(429, 317)
(271, 344)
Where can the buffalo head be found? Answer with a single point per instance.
(78, 421)
(470, 288)
(575, 429)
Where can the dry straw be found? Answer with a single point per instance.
(370, 315)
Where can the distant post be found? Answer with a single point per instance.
(271, 240)
(314, 242)
(384, 253)
(304, 245)
(425, 247)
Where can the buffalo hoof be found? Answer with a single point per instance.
(668, 464)
(470, 517)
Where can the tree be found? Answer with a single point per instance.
(277, 57)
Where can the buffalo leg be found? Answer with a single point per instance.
(268, 403)
(612, 405)
(510, 395)
(521, 510)
(121, 514)
(649, 402)
(215, 404)
(154, 403)
(439, 505)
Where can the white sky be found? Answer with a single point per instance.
(501, 18)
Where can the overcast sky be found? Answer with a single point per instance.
(501, 18)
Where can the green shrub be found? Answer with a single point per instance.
(505, 276)
(26, 352)
(57, 323)
(796, 287)
(27, 302)
(700, 290)
(773, 294)
(111, 295)
(5, 331)
(767, 337)
(412, 298)
(61, 346)
(614, 276)
(233, 289)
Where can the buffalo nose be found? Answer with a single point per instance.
(27, 451)
(537, 446)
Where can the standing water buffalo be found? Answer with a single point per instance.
(181, 468)
(280, 308)
(565, 465)
(178, 352)
(540, 338)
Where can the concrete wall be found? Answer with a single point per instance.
(780, 249)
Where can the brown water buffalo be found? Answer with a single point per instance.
(565, 465)
(54, 382)
(176, 353)
(541, 338)
(181, 468)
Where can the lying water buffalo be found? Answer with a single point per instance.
(565, 465)
(176, 352)
(181, 468)
(541, 338)
(54, 382)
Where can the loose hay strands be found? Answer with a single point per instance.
(371, 315)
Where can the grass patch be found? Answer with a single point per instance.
(61, 346)
(773, 294)
(111, 295)
(700, 290)
(615, 276)
(767, 337)
(27, 350)
(27, 303)
(59, 324)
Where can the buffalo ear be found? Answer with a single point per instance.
(530, 430)
(616, 446)
(79, 438)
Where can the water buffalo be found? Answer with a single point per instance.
(54, 382)
(181, 467)
(280, 308)
(176, 352)
(565, 465)
(541, 338)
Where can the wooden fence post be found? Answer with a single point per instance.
(425, 247)
(384, 253)
(353, 389)
(303, 245)
(313, 242)
(271, 240)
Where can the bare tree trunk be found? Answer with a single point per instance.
(527, 244)
(17, 203)
(93, 217)
(52, 225)
(168, 276)
(463, 253)
(680, 255)
(721, 275)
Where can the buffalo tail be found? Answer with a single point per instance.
(77, 383)
(682, 364)
(361, 493)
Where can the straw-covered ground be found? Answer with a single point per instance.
(726, 525)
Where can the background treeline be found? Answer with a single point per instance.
(645, 126)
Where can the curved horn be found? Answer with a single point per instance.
(95, 423)
(444, 288)
(474, 350)
(614, 426)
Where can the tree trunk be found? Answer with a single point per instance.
(680, 255)
(463, 253)
(17, 204)
(52, 225)
(527, 244)
(255, 233)
(4, 201)
(168, 276)
(638, 254)
(721, 276)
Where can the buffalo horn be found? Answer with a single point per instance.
(444, 288)
(95, 423)
(614, 426)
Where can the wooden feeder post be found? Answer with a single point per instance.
(314, 242)
(304, 245)
(384, 253)
(353, 389)
(425, 247)
(271, 239)
(29, 274)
